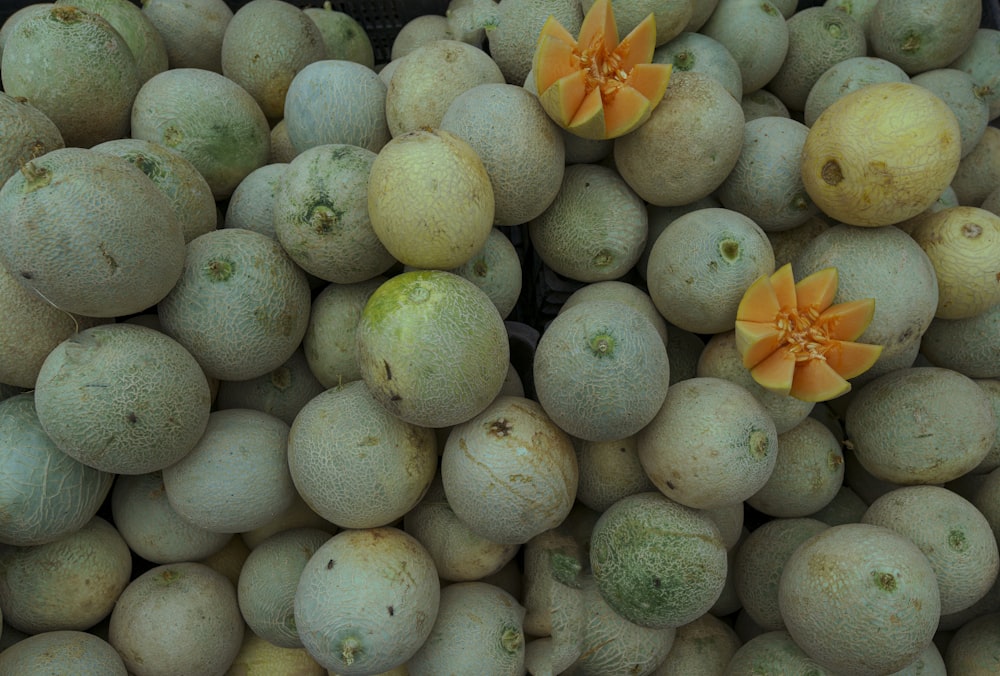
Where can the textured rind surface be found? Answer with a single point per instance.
(282, 392)
(265, 44)
(267, 583)
(46, 494)
(845, 77)
(344, 37)
(48, 58)
(595, 227)
(520, 146)
(496, 269)
(92, 235)
(241, 305)
(657, 563)
(207, 118)
(775, 652)
(185, 604)
(941, 32)
(192, 31)
(512, 40)
(251, 206)
(745, 27)
(330, 344)
(509, 473)
(881, 154)
(711, 444)
(63, 651)
(704, 645)
(333, 101)
(698, 52)
(970, 346)
(373, 570)
(601, 396)
(920, 425)
(236, 477)
(149, 414)
(443, 341)
(26, 132)
(354, 463)
(320, 214)
(851, 583)
(430, 199)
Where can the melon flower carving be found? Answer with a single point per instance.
(596, 86)
(795, 342)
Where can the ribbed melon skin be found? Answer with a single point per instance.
(49, 58)
(65, 651)
(89, 233)
(970, 346)
(282, 392)
(26, 132)
(192, 30)
(702, 646)
(46, 494)
(776, 653)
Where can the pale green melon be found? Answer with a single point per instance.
(31, 329)
(119, 252)
(756, 34)
(847, 76)
(957, 88)
(622, 292)
(595, 227)
(192, 30)
(860, 599)
(970, 346)
(496, 269)
(209, 119)
(265, 44)
(241, 305)
(68, 651)
(920, 425)
(759, 560)
(773, 652)
(520, 145)
(697, 52)
(49, 59)
(69, 583)
(432, 348)
(26, 133)
(512, 39)
(345, 39)
(919, 35)
(460, 555)
(978, 171)
(980, 60)
(330, 343)
(992, 460)
(298, 515)
(710, 444)
(468, 20)
(282, 392)
(141, 36)
(762, 103)
(320, 214)
(845, 507)
(609, 471)
(282, 149)
(251, 206)
(46, 494)
(267, 583)
(601, 370)
(477, 630)
(702, 646)
(417, 32)
(152, 528)
(367, 600)
(657, 563)
(152, 407)
(951, 532)
(236, 477)
(186, 189)
(184, 604)
(973, 648)
(355, 463)
(808, 473)
(786, 244)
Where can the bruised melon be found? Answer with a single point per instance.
(596, 86)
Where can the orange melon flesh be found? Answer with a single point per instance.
(756, 341)
(759, 303)
(852, 359)
(815, 380)
(818, 289)
(777, 371)
(595, 86)
(785, 289)
(848, 320)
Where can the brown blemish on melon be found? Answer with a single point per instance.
(972, 230)
(832, 173)
(884, 580)
(501, 427)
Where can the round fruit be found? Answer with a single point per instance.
(251, 205)
(509, 473)
(860, 599)
(192, 30)
(512, 39)
(241, 305)
(282, 392)
(756, 33)
(657, 563)
(367, 600)
(919, 35)
(89, 233)
(958, 89)
(183, 604)
(27, 133)
(845, 77)
(702, 646)
(711, 444)
(881, 154)
(432, 348)
(150, 411)
(236, 477)
(356, 464)
(496, 269)
(344, 37)
(609, 471)
(260, 657)
(698, 52)
(430, 218)
(973, 649)
(601, 371)
(622, 292)
(773, 652)
(330, 344)
(62, 652)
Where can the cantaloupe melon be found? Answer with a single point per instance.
(344, 37)
(773, 652)
(704, 645)
(78, 652)
(847, 76)
(970, 346)
(957, 88)
(593, 85)
(756, 34)
(27, 133)
(513, 39)
(919, 35)
(192, 30)
(260, 657)
(251, 206)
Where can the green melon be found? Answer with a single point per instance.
(979, 171)
(186, 604)
(241, 305)
(27, 133)
(919, 35)
(46, 494)
(282, 392)
(192, 30)
(209, 119)
(702, 646)
(762, 103)
(119, 253)
(251, 206)
(345, 39)
(49, 58)
(67, 651)
(755, 33)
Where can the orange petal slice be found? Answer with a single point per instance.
(852, 359)
(755, 341)
(818, 289)
(815, 380)
(847, 321)
(777, 372)
(759, 303)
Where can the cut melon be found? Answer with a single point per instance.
(795, 342)
(596, 86)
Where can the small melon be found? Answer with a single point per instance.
(26, 132)
(970, 346)
(513, 39)
(297, 515)
(430, 219)
(957, 88)
(251, 206)
(973, 648)
(702, 646)
(756, 34)
(609, 471)
(185, 604)
(367, 600)
(67, 651)
(762, 103)
(282, 392)
(978, 172)
(432, 347)
(859, 163)
(329, 343)
(980, 60)
(345, 39)
(496, 269)
(920, 35)
(657, 563)
(192, 30)
(417, 32)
